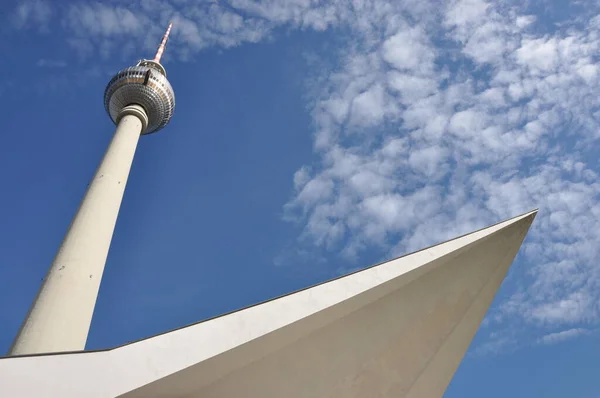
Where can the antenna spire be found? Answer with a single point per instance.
(163, 44)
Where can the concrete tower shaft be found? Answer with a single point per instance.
(139, 100)
(61, 315)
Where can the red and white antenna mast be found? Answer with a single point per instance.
(163, 44)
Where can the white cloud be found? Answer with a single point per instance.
(558, 337)
(317, 189)
(98, 19)
(369, 107)
(301, 177)
(468, 123)
(465, 13)
(430, 161)
(577, 307)
(410, 87)
(96, 28)
(539, 54)
(32, 13)
(408, 50)
(478, 133)
(51, 63)
(524, 21)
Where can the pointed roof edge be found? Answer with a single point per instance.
(521, 216)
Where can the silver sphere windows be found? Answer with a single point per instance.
(143, 86)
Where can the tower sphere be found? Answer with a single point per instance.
(146, 85)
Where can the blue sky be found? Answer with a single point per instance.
(311, 139)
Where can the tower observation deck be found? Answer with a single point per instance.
(139, 100)
(145, 85)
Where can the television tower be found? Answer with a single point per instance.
(139, 100)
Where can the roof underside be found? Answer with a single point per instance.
(399, 329)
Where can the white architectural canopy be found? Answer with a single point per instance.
(397, 329)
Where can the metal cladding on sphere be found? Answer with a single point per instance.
(146, 85)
